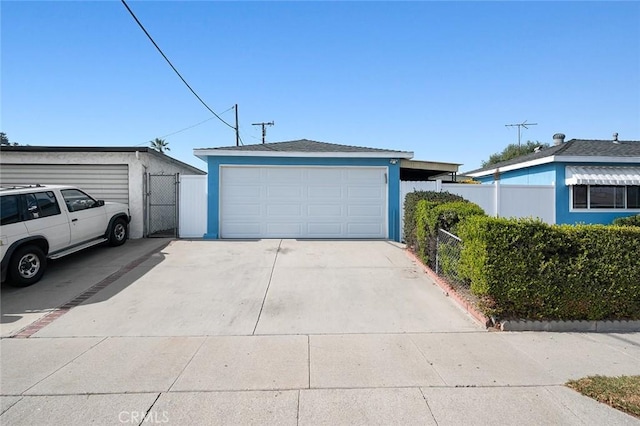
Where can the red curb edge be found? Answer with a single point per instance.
(451, 292)
(41, 323)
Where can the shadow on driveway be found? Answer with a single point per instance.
(69, 277)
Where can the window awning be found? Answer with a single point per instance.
(598, 175)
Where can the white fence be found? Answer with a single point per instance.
(193, 206)
(496, 200)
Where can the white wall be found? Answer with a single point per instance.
(193, 206)
(482, 195)
(537, 201)
(496, 200)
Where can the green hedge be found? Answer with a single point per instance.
(430, 216)
(627, 221)
(410, 203)
(527, 269)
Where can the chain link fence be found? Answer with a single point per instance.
(163, 206)
(448, 248)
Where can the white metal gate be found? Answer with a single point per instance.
(193, 206)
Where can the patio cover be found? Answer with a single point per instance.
(598, 175)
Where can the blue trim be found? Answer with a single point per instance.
(543, 174)
(214, 163)
(394, 201)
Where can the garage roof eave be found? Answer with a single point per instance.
(204, 153)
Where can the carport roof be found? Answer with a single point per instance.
(415, 170)
(302, 147)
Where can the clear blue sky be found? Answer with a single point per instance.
(438, 78)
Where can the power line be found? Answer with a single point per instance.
(194, 125)
(171, 65)
(186, 128)
(182, 130)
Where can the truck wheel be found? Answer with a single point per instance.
(27, 266)
(119, 233)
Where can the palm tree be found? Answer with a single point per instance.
(160, 145)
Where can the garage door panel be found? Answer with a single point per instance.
(294, 210)
(372, 176)
(330, 192)
(284, 229)
(364, 210)
(328, 230)
(284, 175)
(363, 229)
(302, 202)
(325, 210)
(109, 182)
(242, 174)
(241, 210)
(326, 175)
(364, 192)
(246, 229)
(291, 192)
(241, 192)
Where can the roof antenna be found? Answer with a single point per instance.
(519, 126)
(264, 128)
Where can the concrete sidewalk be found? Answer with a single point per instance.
(432, 378)
(262, 353)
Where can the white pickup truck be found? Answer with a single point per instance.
(51, 221)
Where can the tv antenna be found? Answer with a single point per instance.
(519, 126)
(264, 128)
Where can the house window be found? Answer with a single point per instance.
(605, 197)
(633, 197)
(580, 199)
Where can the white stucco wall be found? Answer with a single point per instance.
(138, 165)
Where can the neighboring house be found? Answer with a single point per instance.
(121, 174)
(595, 181)
(308, 189)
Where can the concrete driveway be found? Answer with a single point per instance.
(231, 288)
(280, 332)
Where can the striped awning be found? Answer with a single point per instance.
(599, 175)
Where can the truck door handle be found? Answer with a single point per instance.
(74, 220)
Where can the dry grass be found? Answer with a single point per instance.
(621, 392)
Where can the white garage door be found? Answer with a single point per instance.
(109, 182)
(303, 202)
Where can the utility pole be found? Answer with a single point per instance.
(264, 128)
(519, 126)
(237, 127)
